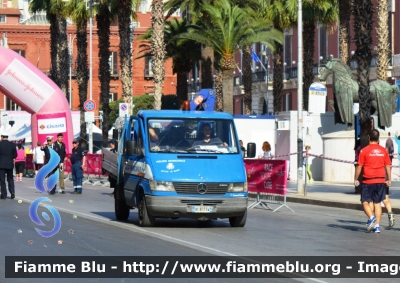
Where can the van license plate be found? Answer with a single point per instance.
(202, 209)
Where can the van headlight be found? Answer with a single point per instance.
(162, 186)
(237, 187)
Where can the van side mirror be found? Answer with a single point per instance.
(131, 147)
(251, 150)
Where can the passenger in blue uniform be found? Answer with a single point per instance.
(78, 165)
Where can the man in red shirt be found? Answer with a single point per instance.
(376, 163)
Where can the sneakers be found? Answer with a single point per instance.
(391, 219)
(371, 223)
(377, 230)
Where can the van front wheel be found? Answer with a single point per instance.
(238, 221)
(145, 219)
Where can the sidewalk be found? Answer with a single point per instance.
(337, 195)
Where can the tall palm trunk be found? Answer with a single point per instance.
(82, 75)
(181, 87)
(62, 55)
(363, 12)
(247, 79)
(158, 49)
(278, 77)
(182, 69)
(344, 29)
(125, 54)
(227, 90)
(308, 65)
(53, 47)
(103, 19)
(207, 62)
(218, 90)
(383, 39)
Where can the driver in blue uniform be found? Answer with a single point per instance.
(207, 139)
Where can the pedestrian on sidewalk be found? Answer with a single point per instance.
(59, 147)
(49, 144)
(8, 153)
(78, 159)
(375, 161)
(265, 152)
(397, 140)
(309, 162)
(38, 157)
(389, 147)
(20, 163)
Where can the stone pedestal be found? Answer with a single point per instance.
(340, 145)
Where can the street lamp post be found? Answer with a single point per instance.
(300, 187)
(90, 71)
(71, 51)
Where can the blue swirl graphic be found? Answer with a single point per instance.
(45, 170)
(35, 218)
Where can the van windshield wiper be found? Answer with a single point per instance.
(197, 149)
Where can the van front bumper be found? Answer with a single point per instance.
(184, 206)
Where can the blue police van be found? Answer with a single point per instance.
(174, 163)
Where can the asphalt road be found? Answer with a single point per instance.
(89, 229)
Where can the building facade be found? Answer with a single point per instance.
(29, 36)
(326, 44)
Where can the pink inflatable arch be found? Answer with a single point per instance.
(36, 93)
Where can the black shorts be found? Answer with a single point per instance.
(373, 192)
(387, 190)
(19, 167)
(38, 166)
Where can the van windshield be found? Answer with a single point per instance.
(192, 136)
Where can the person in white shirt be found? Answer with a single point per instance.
(38, 157)
(265, 152)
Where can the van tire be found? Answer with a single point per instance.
(121, 209)
(145, 219)
(238, 221)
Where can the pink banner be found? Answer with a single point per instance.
(51, 125)
(266, 176)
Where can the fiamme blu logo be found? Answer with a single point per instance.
(44, 186)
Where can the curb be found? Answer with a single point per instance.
(327, 203)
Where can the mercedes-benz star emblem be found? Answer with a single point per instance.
(202, 188)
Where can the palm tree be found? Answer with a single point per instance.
(247, 76)
(363, 13)
(325, 12)
(383, 39)
(56, 14)
(228, 30)
(194, 9)
(182, 52)
(106, 10)
(125, 52)
(157, 49)
(344, 29)
(79, 14)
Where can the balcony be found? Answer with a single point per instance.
(148, 73)
(115, 73)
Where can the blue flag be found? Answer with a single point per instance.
(255, 57)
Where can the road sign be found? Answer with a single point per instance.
(89, 117)
(123, 109)
(89, 105)
(317, 98)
